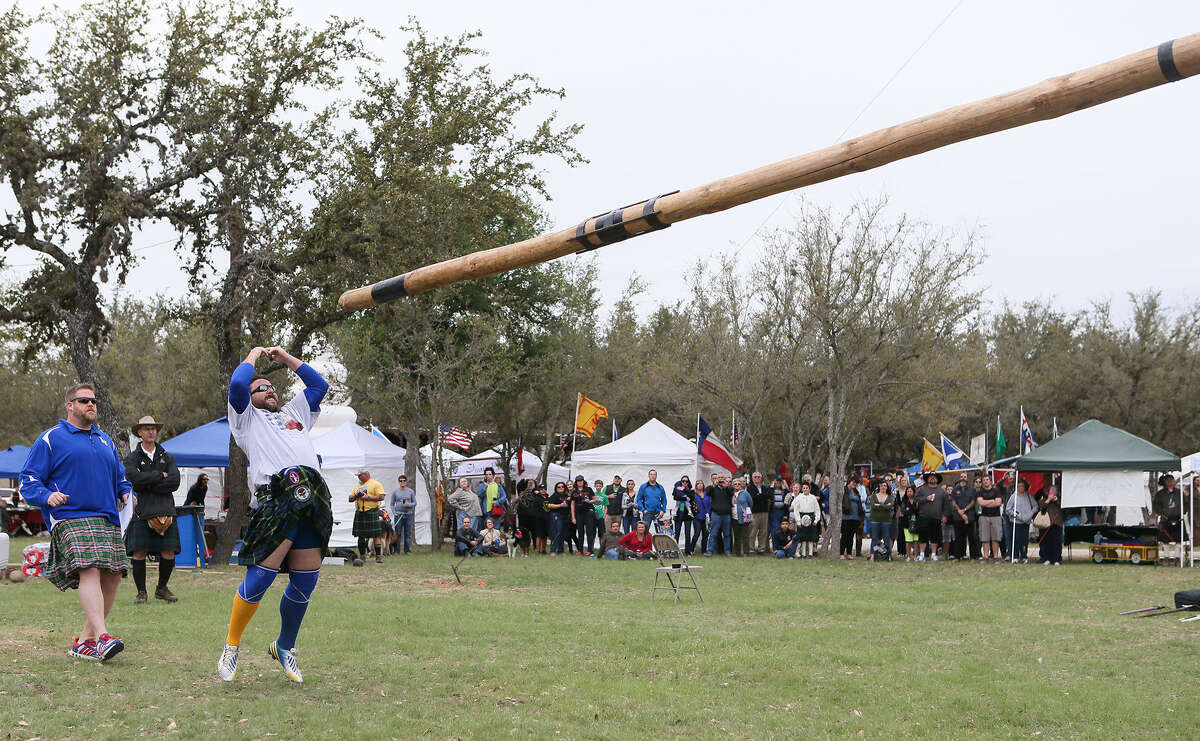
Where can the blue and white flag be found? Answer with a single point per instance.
(378, 432)
(953, 455)
(615, 435)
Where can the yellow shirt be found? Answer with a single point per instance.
(373, 488)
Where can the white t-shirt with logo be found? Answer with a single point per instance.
(274, 441)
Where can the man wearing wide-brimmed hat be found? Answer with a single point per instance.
(152, 472)
(933, 510)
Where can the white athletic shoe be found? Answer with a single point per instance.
(286, 659)
(920, 558)
(227, 664)
(933, 557)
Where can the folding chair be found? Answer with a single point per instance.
(672, 571)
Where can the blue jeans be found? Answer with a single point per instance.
(650, 518)
(477, 523)
(722, 527)
(1007, 541)
(881, 534)
(699, 536)
(773, 520)
(558, 531)
(404, 532)
(683, 530)
(612, 554)
(460, 549)
(628, 522)
(788, 552)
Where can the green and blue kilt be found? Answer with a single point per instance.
(139, 536)
(294, 496)
(367, 523)
(85, 543)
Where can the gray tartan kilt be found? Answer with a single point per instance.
(139, 536)
(367, 524)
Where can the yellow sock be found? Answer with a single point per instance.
(242, 612)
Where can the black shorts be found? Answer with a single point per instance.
(929, 529)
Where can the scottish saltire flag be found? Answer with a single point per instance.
(952, 454)
(1027, 441)
(711, 448)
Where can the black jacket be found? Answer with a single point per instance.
(196, 493)
(153, 490)
(722, 499)
(760, 498)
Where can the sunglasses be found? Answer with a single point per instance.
(264, 387)
(84, 400)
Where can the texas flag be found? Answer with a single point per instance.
(711, 448)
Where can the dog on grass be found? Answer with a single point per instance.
(516, 538)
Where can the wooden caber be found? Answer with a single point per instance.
(1057, 96)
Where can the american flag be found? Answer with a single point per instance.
(735, 437)
(457, 437)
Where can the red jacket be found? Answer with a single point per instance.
(631, 542)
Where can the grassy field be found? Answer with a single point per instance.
(570, 648)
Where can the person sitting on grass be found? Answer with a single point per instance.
(491, 540)
(784, 540)
(638, 544)
(467, 541)
(610, 543)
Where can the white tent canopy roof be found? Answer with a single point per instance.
(651, 444)
(350, 446)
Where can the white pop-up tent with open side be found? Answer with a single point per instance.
(347, 449)
(653, 445)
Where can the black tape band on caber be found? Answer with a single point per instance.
(610, 227)
(1166, 62)
(388, 290)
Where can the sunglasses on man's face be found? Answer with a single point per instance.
(84, 400)
(264, 387)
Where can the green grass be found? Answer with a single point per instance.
(570, 648)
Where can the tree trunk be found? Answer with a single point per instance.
(239, 503)
(412, 458)
(79, 329)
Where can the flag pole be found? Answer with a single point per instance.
(575, 425)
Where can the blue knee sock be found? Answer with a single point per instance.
(293, 604)
(254, 586)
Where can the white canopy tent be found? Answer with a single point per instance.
(653, 445)
(474, 467)
(349, 448)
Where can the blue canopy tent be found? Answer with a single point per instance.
(205, 446)
(12, 460)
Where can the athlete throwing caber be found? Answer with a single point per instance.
(290, 528)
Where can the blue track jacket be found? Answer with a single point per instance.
(84, 465)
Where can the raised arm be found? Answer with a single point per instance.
(315, 386)
(239, 381)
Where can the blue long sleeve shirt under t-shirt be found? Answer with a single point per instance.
(84, 465)
(315, 386)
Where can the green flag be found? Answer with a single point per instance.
(1001, 445)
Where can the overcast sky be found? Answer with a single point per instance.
(676, 94)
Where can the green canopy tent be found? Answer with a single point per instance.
(1102, 466)
(1095, 446)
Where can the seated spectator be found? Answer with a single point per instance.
(784, 540)
(610, 543)
(467, 541)
(638, 544)
(491, 540)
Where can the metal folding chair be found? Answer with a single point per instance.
(675, 571)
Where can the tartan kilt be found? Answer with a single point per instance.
(86, 543)
(293, 496)
(367, 523)
(139, 536)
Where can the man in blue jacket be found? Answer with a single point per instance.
(651, 499)
(73, 473)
